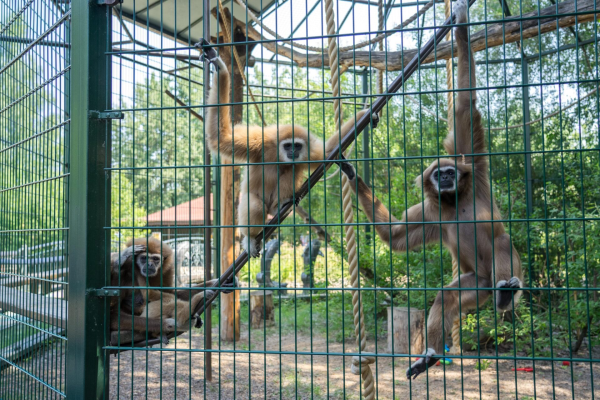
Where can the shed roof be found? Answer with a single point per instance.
(188, 213)
(181, 19)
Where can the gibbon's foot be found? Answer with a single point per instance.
(460, 10)
(169, 325)
(208, 53)
(198, 323)
(503, 297)
(294, 201)
(422, 364)
(251, 246)
(232, 283)
(375, 120)
(164, 339)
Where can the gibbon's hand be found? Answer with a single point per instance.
(208, 53)
(198, 323)
(137, 249)
(232, 283)
(346, 167)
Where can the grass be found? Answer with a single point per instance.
(287, 266)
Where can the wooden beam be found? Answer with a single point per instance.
(495, 35)
(40, 308)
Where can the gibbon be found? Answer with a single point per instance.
(153, 310)
(264, 186)
(454, 189)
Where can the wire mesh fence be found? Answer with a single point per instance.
(343, 300)
(34, 189)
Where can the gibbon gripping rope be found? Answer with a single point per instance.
(334, 156)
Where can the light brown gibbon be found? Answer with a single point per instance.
(148, 262)
(264, 186)
(455, 190)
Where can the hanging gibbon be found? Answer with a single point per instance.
(455, 189)
(282, 147)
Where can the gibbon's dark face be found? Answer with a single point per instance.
(149, 265)
(292, 150)
(445, 179)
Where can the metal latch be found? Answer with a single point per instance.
(105, 292)
(106, 114)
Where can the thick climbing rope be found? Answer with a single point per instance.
(380, 44)
(376, 39)
(450, 82)
(229, 39)
(360, 365)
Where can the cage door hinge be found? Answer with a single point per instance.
(109, 3)
(106, 114)
(104, 292)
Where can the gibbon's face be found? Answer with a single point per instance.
(149, 264)
(445, 179)
(292, 150)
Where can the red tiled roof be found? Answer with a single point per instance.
(188, 213)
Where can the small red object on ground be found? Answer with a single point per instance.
(437, 364)
(527, 369)
(566, 363)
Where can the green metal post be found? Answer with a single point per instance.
(366, 168)
(86, 369)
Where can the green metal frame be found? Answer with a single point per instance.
(88, 247)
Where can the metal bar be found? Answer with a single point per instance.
(527, 135)
(90, 149)
(207, 211)
(366, 168)
(361, 124)
(35, 42)
(15, 39)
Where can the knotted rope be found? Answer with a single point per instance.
(360, 365)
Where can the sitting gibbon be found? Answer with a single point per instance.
(456, 189)
(264, 186)
(148, 262)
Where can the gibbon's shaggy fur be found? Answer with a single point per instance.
(152, 310)
(455, 189)
(264, 186)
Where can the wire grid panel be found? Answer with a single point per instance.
(34, 158)
(288, 331)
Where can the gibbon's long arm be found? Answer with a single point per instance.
(400, 237)
(241, 142)
(316, 145)
(465, 130)
(318, 173)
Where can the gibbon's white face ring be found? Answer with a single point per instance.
(291, 150)
(436, 183)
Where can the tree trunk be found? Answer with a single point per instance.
(400, 332)
(230, 303)
(261, 308)
(514, 29)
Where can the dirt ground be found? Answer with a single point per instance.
(322, 377)
(180, 375)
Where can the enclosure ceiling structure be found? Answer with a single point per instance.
(176, 19)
